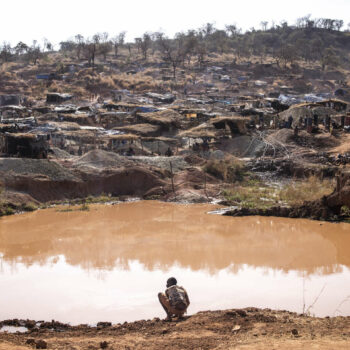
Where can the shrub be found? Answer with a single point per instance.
(230, 169)
(84, 207)
(29, 207)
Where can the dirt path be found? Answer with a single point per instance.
(247, 329)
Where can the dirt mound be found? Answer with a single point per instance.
(60, 153)
(100, 159)
(322, 141)
(283, 135)
(104, 172)
(26, 166)
(177, 163)
(248, 328)
(193, 159)
(131, 181)
(242, 146)
(341, 195)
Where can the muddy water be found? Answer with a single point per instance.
(109, 263)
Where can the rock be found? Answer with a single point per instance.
(40, 344)
(241, 313)
(236, 328)
(30, 324)
(295, 332)
(231, 313)
(30, 341)
(103, 345)
(104, 324)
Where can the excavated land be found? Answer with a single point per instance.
(100, 172)
(249, 328)
(88, 154)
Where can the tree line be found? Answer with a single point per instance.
(308, 39)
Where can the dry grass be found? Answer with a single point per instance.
(252, 193)
(229, 169)
(309, 190)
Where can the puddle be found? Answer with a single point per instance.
(109, 263)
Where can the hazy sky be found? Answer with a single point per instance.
(58, 20)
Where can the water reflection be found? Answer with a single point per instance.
(161, 235)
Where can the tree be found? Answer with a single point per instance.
(6, 52)
(264, 25)
(79, 42)
(90, 49)
(104, 46)
(232, 30)
(21, 48)
(219, 41)
(191, 43)
(329, 59)
(118, 42)
(47, 45)
(67, 46)
(144, 44)
(339, 23)
(172, 50)
(208, 29)
(287, 54)
(34, 52)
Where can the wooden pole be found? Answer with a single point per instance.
(172, 179)
(205, 186)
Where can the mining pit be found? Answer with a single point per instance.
(128, 250)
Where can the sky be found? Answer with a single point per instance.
(26, 20)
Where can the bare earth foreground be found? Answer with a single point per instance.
(248, 328)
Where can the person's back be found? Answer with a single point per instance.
(177, 297)
(175, 301)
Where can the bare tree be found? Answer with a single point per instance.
(145, 43)
(172, 50)
(264, 25)
(90, 48)
(104, 46)
(5, 52)
(118, 42)
(47, 45)
(79, 40)
(34, 52)
(287, 54)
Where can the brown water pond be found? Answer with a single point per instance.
(109, 263)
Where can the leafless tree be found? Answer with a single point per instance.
(145, 43)
(173, 51)
(118, 42)
(264, 25)
(79, 40)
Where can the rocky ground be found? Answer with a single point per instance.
(249, 329)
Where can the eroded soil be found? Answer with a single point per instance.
(248, 328)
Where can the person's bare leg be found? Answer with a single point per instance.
(160, 297)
